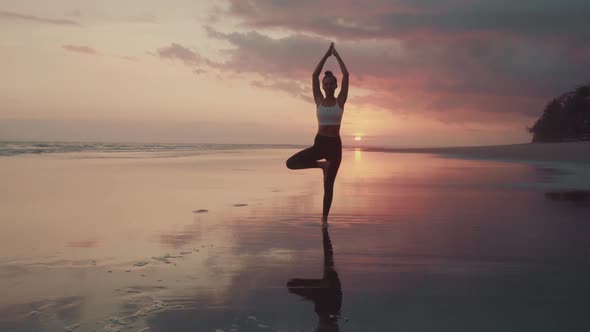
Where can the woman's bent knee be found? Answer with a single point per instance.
(290, 164)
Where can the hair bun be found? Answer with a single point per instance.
(328, 73)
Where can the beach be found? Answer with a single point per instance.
(459, 239)
(159, 172)
(570, 152)
(571, 159)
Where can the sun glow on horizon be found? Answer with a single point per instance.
(358, 138)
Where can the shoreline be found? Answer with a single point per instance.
(566, 152)
(572, 158)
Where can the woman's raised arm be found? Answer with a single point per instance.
(343, 95)
(315, 78)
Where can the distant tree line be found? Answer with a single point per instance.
(565, 118)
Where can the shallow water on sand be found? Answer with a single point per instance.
(232, 241)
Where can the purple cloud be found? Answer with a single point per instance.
(526, 48)
(445, 58)
(403, 19)
(179, 52)
(261, 54)
(7, 15)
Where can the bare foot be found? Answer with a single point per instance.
(325, 221)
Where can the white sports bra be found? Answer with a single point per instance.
(329, 115)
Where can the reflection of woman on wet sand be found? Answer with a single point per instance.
(327, 144)
(326, 293)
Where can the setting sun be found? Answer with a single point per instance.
(357, 138)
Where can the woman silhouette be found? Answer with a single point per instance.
(327, 144)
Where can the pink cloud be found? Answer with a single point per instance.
(413, 76)
(292, 87)
(453, 61)
(80, 49)
(179, 52)
(261, 54)
(31, 18)
(471, 39)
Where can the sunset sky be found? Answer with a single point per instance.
(422, 72)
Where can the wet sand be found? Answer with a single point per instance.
(569, 152)
(232, 241)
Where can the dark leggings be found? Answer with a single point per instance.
(324, 147)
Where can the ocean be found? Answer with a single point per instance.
(8, 148)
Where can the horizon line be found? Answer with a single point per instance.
(359, 146)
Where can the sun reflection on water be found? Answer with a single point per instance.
(358, 155)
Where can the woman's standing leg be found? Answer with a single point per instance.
(334, 158)
(329, 186)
